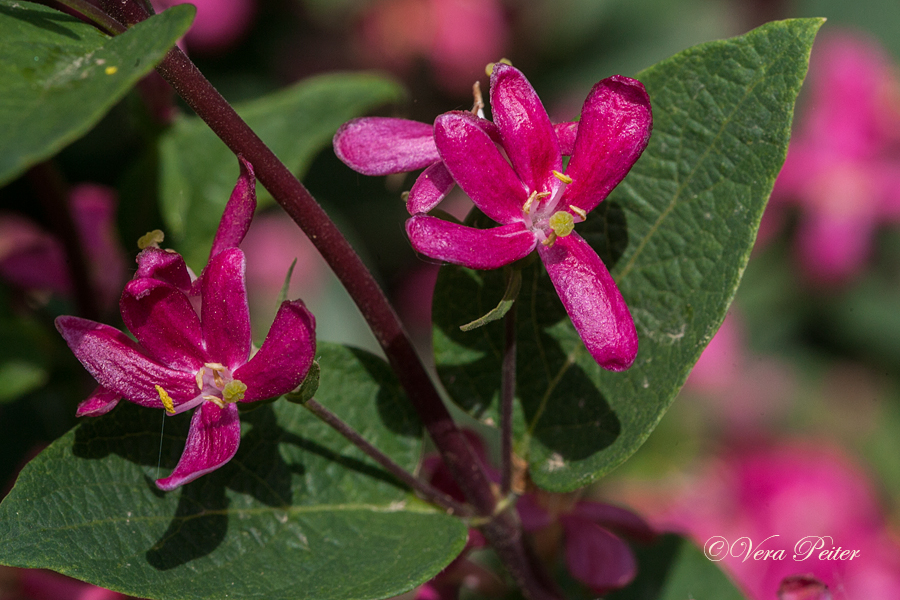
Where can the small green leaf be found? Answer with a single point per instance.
(513, 285)
(673, 568)
(299, 513)
(676, 235)
(59, 76)
(197, 170)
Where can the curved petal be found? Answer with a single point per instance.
(596, 557)
(285, 356)
(100, 402)
(467, 246)
(224, 313)
(164, 265)
(164, 323)
(532, 514)
(119, 365)
(528, 136)
(615, 126)
(381, 146)
(238, 212)
(212, 441)
(565, 135)
(478, 167)
(433, 184)
(590, 296)
(618, 519)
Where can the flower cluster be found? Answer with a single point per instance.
(193, 347)
(512, 169)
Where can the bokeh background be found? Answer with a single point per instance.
(790, 424)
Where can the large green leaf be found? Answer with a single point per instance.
(298, 513)
(673, 568)
(676, 235)
(59, 76)
(198, 171)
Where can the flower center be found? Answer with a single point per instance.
(544, 220)
(217, 385)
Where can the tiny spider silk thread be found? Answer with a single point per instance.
(159, 458)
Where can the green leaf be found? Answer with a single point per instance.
(673, 568)
(197, 170)
(59, 76)
(513, 285)
(299, 513)
(676, 235)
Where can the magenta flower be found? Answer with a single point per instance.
(536, 203)
(184, 360)
(595, 555)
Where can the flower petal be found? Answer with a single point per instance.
(620, 520)
(164, 265)
(285, 356)
(596, 557)
(164, 323)
(614, 130)
(238, 212)
(100, 402)
(532, 514)
(478, 167)
(467, 246)
(225, 314)
(433, 184)
(590, 296)
(381, 146)
(212, 441)
(528, 136)
(119, 365)
(565, 135)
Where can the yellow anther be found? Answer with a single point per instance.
(166, 400)
(534, 196)
(234, 391)
(217, 369)
(215, 400)
(562, 177)
(478, 104)
(550, 239)
(215, 366)
(489, 69)
(199, 378)
(562, 223)
(579, 211)
(151, 238)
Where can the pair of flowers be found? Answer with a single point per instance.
(193, 347)
(512, 169)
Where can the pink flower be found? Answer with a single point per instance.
(842, 168)
(33, 259)
(595, 555)
(536, 203)
(184, 360)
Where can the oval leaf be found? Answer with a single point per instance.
(59, 76)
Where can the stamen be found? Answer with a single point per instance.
(234, 391)
(478, 105)
(534, 196)
(151, 238)
(562, 177)
(199, 378)
(562, 223)
(579, 211)
(217, 369)
(215, 366)
(550, 239)
(166, 400)
(215, 400)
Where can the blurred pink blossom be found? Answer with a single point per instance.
(790, 497)
(33, 259)
(39, 584)
(843, 165)
(219, 24)
(457, 37)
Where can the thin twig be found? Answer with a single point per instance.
(425, 489)
(92, 14)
